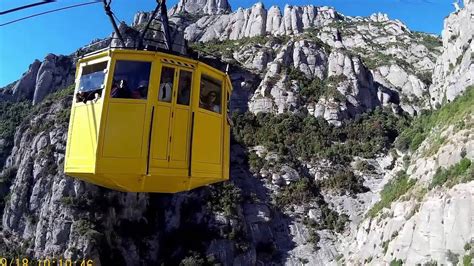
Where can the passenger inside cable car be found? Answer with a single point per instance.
(91, 83)
(210, 94)
(132, 80)
(141, 91)
(184, 87)
(166, 84)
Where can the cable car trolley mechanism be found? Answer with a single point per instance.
(148, 119)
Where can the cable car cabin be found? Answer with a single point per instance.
(146, 121)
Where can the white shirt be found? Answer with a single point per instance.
(165, 92)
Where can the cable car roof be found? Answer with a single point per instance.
(168, 58)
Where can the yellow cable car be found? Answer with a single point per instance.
(146, 121)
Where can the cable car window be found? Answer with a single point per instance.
(210, 98)
(91, 82)
(131, 80)
(166, 84)
(184, 87)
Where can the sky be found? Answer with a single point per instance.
(63, 32)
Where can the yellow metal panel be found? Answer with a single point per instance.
(180, 140)
(123, 182)
(160, 136)
(124, 130)
(207, 146)
(121, 165)
(82, 138)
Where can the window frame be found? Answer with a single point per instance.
(112, 75)
(214, 75)
(190, 99)
(79, 70)
(129, 57)
(157, 98)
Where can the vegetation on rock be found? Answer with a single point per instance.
(11, 115)
(391, 192)
(453, 113)
(461, 172)
(301, 136)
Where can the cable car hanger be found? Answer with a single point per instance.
(160, 8)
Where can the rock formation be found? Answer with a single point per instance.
(45, 77)
(257, 21)
(201, 7)
(454, 69)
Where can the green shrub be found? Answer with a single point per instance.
(332, 220)
(255, 162)
(467, 260)
(385, 246)
(299, 135)
(7, 175)
(83, 226)
(314, 239)
(312, 34)
(61, 94)
(467, 246)
(429, 41)
(193, 259)
(364, 166)
(225, 197)
(299, 192)
(461, 172)
(227, 47)
(450, 113)
(396, 262)
(452, 257)
(311, 90)
(344, 180)
(431, 263)
(6, 178)
(63, 116)
(391, 192)
(67, 201)
(11, 115)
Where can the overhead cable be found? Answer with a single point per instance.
(26, 6)
(49, 11)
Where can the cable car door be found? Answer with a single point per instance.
(207, 145)
(171, 123)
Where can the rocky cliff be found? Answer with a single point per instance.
(43, 78)
(202, 7)
(331, 161)
(454, 69)
(423, 214)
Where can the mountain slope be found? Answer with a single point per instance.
(424, 214)
(316, 174)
